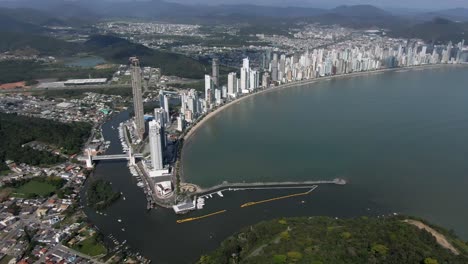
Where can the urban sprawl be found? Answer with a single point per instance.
(153, 154)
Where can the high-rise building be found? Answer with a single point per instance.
(215, 72)
(209, 90)
(274, 70)
(245, 63)
(265, 79)
(253, 80)
(232, 83)
(244, 79)
(180, 123)
(164, 104)
(160, 116)
(245, 74)
(137, 97)
(156, 145)
(166, 109)
(218, 98)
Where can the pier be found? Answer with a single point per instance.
(265, 186)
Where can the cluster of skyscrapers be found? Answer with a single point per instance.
(276, 69)
(326, 62)
(156, 131)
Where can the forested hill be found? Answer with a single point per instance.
(326, 240)
(16, 130)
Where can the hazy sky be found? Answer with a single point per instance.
(419, 4)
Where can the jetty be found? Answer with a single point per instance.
(208, 192)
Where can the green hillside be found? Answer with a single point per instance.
(326, 240)
(438, 30)
(113, 49)
(118, 50)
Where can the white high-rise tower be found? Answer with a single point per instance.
(156, 145)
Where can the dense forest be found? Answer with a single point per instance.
(326, 240)
(16, 130)
(100, 194)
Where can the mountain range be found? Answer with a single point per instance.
(160, 9)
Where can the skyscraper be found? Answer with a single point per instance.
(232, 84)
(215, 72)
(164, 104)
(156, 145)
(245, 74)
(137, 97)
(166, 109)
(208, 90)
(274, 70)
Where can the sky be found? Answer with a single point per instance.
(400, 4)
(413, 4)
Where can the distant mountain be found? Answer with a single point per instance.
(12, 20)
(118, 50)
(268, 11)
(436, 30)
(455, 14)
(360, 11)
(59, 9)
(13, 41)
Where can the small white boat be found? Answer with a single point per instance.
(119, 220)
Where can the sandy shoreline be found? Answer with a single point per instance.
(309, 81)
(218, 110)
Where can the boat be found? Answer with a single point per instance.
(220, 194)
(119, 220)
(123, 229)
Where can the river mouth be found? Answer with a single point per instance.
(374, 187)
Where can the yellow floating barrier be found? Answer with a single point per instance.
(277, 198)
(199, 217)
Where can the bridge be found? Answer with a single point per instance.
(115, 157)
(129, 156)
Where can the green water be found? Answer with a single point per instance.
(402, 137)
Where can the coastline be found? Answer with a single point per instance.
(193, 129)
(186, 138)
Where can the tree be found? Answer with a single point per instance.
(430, 261)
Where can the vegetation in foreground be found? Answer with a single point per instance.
(91, 246)
(16, 130)
(326, 240)
(100, 194)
